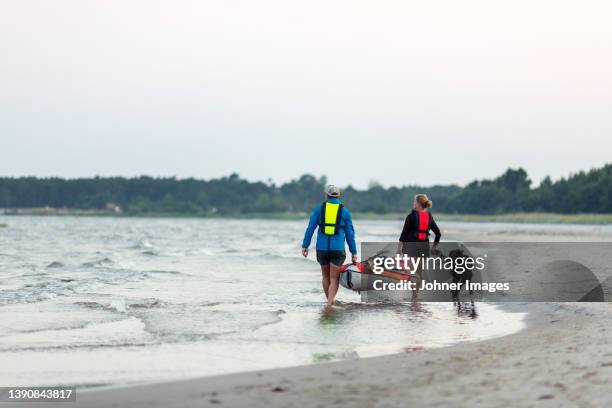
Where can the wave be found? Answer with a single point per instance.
(108, 334)
(210, 304)
(41, 286)
(198, 324)
(159, 271)
(104, 262)
(37, 292)
(284, 257)
(337, 356)
(147, 304)
(37, 274)
(55, 264)
(91, 346)
(121, 306)
(142, 244)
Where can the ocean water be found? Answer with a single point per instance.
(99, 301)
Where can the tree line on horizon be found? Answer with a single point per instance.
(583, 192)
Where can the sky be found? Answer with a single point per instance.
(397, 92)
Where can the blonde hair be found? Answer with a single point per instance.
(423, 200)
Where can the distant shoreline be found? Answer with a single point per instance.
(518, 218)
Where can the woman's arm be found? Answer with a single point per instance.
(435, 229)
(405, 235)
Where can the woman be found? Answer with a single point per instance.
(414, 240)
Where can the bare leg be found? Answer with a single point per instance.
(325, 279)
(417, 279)
(334, 281)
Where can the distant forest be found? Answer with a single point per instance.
(583, 192)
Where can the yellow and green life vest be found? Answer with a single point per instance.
(331, 215)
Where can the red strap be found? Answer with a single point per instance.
(358, 265)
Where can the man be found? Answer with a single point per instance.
(335, 226)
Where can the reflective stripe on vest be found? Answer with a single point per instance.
(423, 225)
(331, 214)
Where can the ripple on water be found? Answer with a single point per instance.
(55, 264)
(99, 263)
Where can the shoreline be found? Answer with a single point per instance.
(511, 218)
(562, 356)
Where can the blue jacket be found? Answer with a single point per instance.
(331, 242)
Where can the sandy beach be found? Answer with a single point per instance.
(563, 358)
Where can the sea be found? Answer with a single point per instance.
(99, 301)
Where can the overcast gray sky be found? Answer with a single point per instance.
(395, 91)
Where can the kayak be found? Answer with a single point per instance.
(359, 276)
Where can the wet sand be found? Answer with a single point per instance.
(563, 358)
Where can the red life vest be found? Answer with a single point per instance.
(423, 225)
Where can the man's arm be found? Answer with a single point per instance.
(313, 222)
(349, 232)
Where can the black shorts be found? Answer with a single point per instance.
(416, 248)
(327, 257)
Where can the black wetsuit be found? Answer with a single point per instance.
(415, 232)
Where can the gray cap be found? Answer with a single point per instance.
(332, 191)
